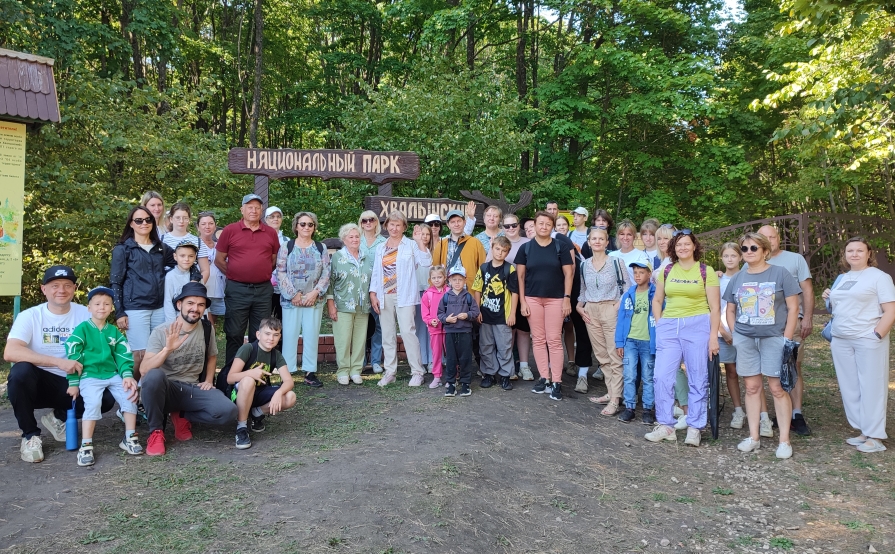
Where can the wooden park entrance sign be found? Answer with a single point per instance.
(382, 168)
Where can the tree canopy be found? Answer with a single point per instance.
(671, 109)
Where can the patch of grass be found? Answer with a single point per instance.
(781, 542)
(502, 541)
(804, 506)
(856, 525)
(449, 468)
(563, 506)
(660, 496)
(685, 499)
(92, 537)
(743, 540)
(335, 541)
(859, 461)
(722, 491)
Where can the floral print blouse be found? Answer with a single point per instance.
(349, 281)
(302, 270)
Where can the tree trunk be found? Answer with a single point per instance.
(521, 74)
(470, 44)
(137, 71)
(256, 95)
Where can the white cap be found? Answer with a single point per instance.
(272, 209)
(432, 217)
(581, 211)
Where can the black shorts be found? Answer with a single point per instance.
(263, 394)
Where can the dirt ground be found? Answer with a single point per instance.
(362, 469)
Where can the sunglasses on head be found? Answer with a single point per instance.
(204, 214)
(682, 232)
(510, 225)
(368, 220)
(304, 224)
(142, 220)
(752, 248)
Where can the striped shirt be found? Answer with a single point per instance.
(390, 270)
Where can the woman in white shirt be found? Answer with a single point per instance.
(862, 302)
(626, 251)
(394, 294)
(180, 216)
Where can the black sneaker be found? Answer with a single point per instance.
(648, 417)
(487, 382)
(540, 386)
(505, 383)
(257, 424)
(556, 391)
(464, 390)
(243, 440)
(627, 416)
(450, 390)
(800, 426)
(312, 381)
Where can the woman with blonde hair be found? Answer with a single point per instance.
(862, 302)
(424, 232)
(371, 237)
(154, 202)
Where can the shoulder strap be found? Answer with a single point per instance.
(320, 247)
(703, 271)
(619, 278)
(290, 246)
(667, 271)
(456, 256)
(206, 331)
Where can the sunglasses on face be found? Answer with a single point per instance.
(510, 225)
(142, 220)
(304, 224)
(367, 220)
(752, 248)
(682, 232)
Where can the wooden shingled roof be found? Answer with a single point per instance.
(27, 88)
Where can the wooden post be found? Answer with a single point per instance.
(262, 189)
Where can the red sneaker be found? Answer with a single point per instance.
(183, 430)
(156, 444)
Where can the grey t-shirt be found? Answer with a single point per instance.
(187, 362)
(760, 299)
(796, 265)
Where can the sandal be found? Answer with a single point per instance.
(611, 409)
(601, 400)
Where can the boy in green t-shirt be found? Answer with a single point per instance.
(108, 364)
(635, 342)
(252, 390)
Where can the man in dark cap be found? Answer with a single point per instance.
(36, 348)
(179, 377)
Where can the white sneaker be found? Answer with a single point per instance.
(857, 441)
(342, 379)
(54, 426)
(435, 383)
(681, 422)
(581, 386)
(661, 433)
(784, 451)
(386, 379)
(694, 435)
(32, 450)
(749, 445)
(377, 368)
(598, 374)
(678, 412)
(131, 445)
(358, 380)
(871, 445)
(85, 455)
(527, 375)
(765, 428)
(416, 380)
(736, 422)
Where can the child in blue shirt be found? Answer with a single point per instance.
(635, 341)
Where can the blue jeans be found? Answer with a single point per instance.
(376, 340)
(637, 351)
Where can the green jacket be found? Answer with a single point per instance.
(349, 281)
(104, 352)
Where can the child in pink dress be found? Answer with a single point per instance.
(430, 301)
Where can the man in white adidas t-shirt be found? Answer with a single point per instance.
(36, 348)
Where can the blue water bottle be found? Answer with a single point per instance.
(71, 429)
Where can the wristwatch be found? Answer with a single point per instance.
(878, 335)
(569, 296)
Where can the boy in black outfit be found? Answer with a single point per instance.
(456, 311)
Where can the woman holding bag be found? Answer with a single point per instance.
(863, 306)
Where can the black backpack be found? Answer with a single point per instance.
(290, 246)
(221, 383)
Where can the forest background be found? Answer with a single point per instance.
(688, 111)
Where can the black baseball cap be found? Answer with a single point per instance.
(191, 289)
(59, 272)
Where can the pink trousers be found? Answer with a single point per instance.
(436, 342)
(546, 336)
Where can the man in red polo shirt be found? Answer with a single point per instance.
(247, 254)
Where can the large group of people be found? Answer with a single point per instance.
(654, 317)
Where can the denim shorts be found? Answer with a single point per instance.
(727, 354)
(140, 324)
(217, 306)
(758, 356)
(91, 390)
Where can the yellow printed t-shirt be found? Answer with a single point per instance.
(685, 293)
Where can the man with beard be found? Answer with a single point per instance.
(181, 381)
